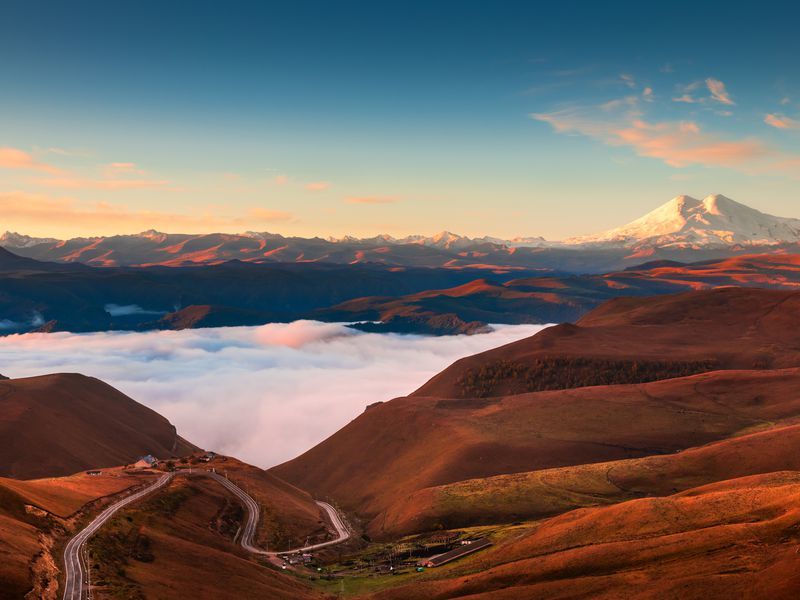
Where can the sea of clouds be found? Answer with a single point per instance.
(263, 394)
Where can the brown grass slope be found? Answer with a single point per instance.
(18, 544)
(629, 340)
(289, 516)
(180, 543)
(733, 539)
(402, 446)
(33, 514)
(547, 492)
(59, 424)
(37, 516)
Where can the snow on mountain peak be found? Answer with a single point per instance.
(685, 221)
(152, 234)
(12, 239)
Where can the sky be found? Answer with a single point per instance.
(334, 118)
(294, 381)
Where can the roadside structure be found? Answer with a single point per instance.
(456, 553)
(146, 462)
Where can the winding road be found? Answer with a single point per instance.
(74, 570)
(73, 567)
(254, 513)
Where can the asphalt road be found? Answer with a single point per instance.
(73, 567)
(254, 513)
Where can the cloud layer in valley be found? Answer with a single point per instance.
(264, 394)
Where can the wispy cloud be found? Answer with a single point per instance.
(31, 211)
(676, 143)
(79, 183)
(317, 186)
(371, 199)
(628, 80)
(647, 94)
(122, 168)
(781, 121)
(683, 143)
(64, 151)
(280, 180)
(718, 91)
(14, 158)
(115, 176)
(687, 94)
(627, 101)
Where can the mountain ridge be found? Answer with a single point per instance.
(678, 216)
(684, 228)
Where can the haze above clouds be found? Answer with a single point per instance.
(263, 394)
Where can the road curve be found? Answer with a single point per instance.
(254, 513)
(73, 567)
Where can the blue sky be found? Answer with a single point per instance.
(321, 118)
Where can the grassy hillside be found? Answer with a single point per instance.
(402, 446)
(59, 424)
(182, 540)
(629, 340)
(734, 539)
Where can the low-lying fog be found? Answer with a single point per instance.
(264, 394)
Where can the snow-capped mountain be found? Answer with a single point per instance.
(12, 239)
(445, 240)
(686, 221)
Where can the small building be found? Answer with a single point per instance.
(207, 457)
(146, 462)
(94, 473)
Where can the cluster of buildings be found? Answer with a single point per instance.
(149, 461)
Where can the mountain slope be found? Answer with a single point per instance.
(733, 539)
(629, 340)
(546, 401)
(65, 423)
(59, 424)
(539, 494)
(184, 533)
(188, 536)
(14, 263)
(32, 513)
(396, 448)
(567, 298)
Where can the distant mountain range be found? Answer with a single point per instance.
(683, 229)
(49, 296)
